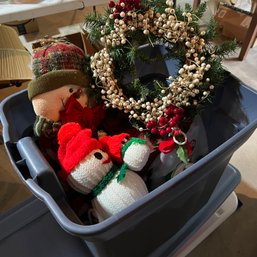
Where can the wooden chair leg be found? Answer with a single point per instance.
(250, 36)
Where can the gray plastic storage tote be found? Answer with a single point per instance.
(156, 224)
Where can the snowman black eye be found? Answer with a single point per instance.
(98, 155)
(71, 90)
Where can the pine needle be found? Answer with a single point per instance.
(211, 30)
(199, 12)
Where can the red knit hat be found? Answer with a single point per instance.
(57, 63)
(113, 146)
(75, 145)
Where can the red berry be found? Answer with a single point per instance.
(153, 123)
(167, 111)
(177, 132)
(162, 132)
(162, 121)
(116, 15)
(178, 111)
(177, 117)
(172, 107)
(111, 4)
(119, 7)
(172, 123)
(168, 129)
(149, 125)
(154, 130)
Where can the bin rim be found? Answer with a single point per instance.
(92, 231)
(68, 225)
(3, 119)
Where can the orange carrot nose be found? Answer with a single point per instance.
(107, 160)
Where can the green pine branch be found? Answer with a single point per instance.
(158, 5)
(125, 56)
(200, 10)
(211, 30)
(226, 48)
(179, 11)
(93, 25)
(188, 7)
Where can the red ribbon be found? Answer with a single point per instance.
(169, 145)
(189, 148)
(86, 117)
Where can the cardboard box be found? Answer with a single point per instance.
(234, 23)
(80, 39)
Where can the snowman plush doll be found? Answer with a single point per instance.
(59, 90)
(89, 170)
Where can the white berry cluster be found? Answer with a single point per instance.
(182, 91)
(163, 25)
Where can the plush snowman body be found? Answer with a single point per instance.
(116, 196)
(113, 197)
(96, 175)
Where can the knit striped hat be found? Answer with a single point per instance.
(56, 64)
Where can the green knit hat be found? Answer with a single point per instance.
(57, 64)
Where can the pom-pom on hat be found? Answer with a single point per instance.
(113, 146)
(56, 63)
(75, 145)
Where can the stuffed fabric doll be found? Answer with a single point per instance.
(59, 89)
(113, 146)
(89, 170)
(126, 150)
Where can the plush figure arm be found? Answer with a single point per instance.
(135, 153)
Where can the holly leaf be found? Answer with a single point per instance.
(182, 154)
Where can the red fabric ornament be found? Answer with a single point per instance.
(167, 146)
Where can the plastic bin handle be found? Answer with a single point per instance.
(40, 170)
(64, 222)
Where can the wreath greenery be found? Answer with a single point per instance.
(163, 108)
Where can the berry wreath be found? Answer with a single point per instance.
(162, 110)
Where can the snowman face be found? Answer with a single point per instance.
(90, 171)
(136, 156)
(78, 92)
(49, 104)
